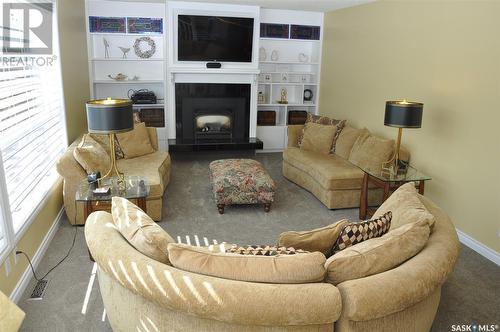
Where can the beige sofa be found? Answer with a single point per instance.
(331, 178)
(140, 293)
(154, 167)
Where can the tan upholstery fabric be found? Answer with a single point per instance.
(134, 286)
(294, 132)
(91, 156)
(346, 140)
(409, 283)
(135, 143)
(11, 317)
(153, 167)
(369, 152)
(280, 269)
(140, 230)
(318, 137)
(406, 207)
(318, 239)
(330, 170)
(378, 254)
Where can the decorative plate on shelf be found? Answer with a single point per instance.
(144, 47)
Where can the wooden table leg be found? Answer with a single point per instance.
(141, 203)
(363, 198)
(421, 187)
(387, 191)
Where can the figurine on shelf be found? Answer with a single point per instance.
(106, 48)
(261, 98)
(284, 97)
(125, 50)
(275, 55)
(119, 77)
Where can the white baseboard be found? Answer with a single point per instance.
(18, 291)
(478, 247)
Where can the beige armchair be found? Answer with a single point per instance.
(154, 167)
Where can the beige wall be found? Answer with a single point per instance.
(73, 41)
(445, 54)
(76, 90)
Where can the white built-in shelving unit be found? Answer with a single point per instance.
(150, 72)
(296, 70)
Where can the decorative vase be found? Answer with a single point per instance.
(275, 55)
(262, 54)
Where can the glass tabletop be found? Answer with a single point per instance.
(135, 187)
(406, 174)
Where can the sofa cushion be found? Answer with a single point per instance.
(324, 120)
(140, 230)
(151, 167)
(135, 143)
(318, 239)
(318, 137)
(91, 156)
(357, 232)
(369, 152)
(379, 254)
(405, 206)
(280, 269)
(346, 140)
(330, 171)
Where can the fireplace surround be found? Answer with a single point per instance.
(212, 116)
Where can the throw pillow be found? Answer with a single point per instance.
(318, 137)
(379, 254)
(140, 230)
(263, 250)
(318, 239)
(357, 232)
(405, 206)
(346, 140)
(91, 156)
(103, 140)
(370, 152)
(280, 269)
(135, 143)
(324, 120)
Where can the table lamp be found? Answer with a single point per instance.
(402, 114)
(110, 116)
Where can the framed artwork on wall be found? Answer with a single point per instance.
(144, 25)
(272, 30)
(309, 32)
(107, 24)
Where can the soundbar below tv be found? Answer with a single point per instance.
(215, 38)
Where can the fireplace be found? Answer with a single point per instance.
(210, 112)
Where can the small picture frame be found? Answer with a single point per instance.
(267, 77)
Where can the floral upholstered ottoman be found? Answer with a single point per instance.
(241, 181)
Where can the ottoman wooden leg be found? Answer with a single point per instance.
(267, 207)
(220, 207)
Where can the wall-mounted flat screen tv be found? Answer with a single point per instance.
(215, 38)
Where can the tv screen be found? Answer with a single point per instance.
(215, 38)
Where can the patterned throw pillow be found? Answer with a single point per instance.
(324, 120)
(263, 250)
(356, 232)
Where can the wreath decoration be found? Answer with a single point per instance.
(147, 53)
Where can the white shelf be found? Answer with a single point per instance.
(290, 40)
(148, 105)
(289, 63)
(286, 105)
(285, 83)
(124, 34)
(126, 59)
(127, 81)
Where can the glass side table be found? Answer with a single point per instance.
(136, 189)
(388, 182)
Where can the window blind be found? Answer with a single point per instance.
(32, 132)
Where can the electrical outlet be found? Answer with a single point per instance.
(7, 266)
(16, 256)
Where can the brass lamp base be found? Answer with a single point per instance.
(113, 169)
(393, 165)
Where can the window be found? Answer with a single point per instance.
(32, 129)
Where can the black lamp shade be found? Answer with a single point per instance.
(403, 114)
(106, 116)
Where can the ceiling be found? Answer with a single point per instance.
(309, 5)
